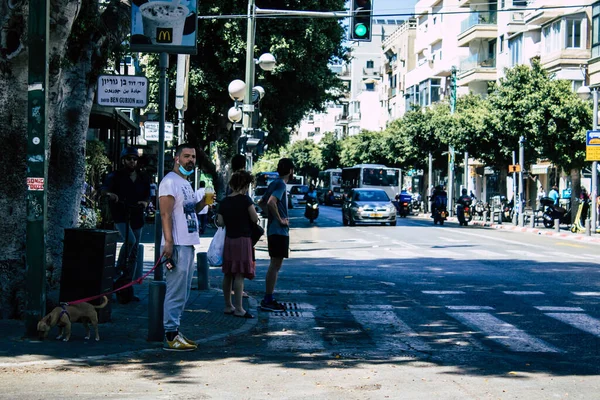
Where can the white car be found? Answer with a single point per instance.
(297, 193)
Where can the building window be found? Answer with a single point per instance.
(596, 30)
(515, 47)
(551, 35)
(519, 3)
(370, 64)
(370, 87)
(501, 43)
(573, 34)
(577, 84)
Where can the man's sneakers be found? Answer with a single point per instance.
(179, 343)
(190, 341)
(271, 306)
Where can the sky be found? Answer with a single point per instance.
(394, 7)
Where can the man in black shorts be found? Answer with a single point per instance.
(278, 230)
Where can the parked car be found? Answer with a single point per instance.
(259, 191)
(368, 206)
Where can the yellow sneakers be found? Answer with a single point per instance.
(190, 341)
(178, 344)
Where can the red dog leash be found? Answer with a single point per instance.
(137, 281)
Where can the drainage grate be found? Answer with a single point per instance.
(291, 310)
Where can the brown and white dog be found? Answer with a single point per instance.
(64, 315)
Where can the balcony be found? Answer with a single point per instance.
(391, 92)
(476, 69)
(479, 25)
(341, 119)
(516, 21)
(539, 13)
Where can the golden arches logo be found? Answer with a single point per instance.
(164, 35)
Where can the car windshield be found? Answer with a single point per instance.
(371, 195)
(299, 190)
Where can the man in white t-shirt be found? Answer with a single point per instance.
(178, 208)
(204, 212)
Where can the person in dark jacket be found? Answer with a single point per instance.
(128, 190)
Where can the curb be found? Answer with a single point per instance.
(536, 231)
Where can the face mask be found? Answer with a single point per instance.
(184, 171)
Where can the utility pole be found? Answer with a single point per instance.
(37, 164)
(521, 194)
(429, 192)
(158, 287)
(248, 106)
(466, 177)
(450, 147)
(594, 210)
(514, 176)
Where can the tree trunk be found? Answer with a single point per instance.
(13, 168)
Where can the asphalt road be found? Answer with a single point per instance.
(412, 311)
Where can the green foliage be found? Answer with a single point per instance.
(301, 81)
(96, 163)
(331, 149)
(306, 156)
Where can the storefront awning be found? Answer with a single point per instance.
(540, 169)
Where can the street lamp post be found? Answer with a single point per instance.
(584, 93)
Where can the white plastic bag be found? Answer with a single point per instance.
(216, 248)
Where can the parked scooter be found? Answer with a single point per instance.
(416, 202)
(311, 210)
(552, 212)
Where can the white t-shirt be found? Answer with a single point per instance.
(199, 195)
(185, 222)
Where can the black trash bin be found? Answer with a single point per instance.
(88, 267)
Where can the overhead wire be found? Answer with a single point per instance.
(394, 14)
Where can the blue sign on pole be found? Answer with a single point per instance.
(592, 146)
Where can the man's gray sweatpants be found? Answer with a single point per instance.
(179, 283)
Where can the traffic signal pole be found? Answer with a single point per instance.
(37, 164)
(450, 147)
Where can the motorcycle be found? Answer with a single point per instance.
(416, 202)
(480, 208)
(402, 204)
(311, 210)
(439, 211)
(552, 212)
(464, 213)
(507, 211)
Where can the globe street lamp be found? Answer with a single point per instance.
(584, 93)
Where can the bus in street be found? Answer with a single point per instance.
(373, 176)
(329, 186)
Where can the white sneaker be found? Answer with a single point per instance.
(178, 344)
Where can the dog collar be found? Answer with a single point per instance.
(63, 312)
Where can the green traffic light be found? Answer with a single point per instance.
(360, 30)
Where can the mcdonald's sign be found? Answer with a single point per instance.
(168, 26)
(164, 35)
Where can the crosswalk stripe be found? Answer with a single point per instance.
(504, 333)
(523, 293)
(561, 309)
(371, 306)
(469, 308)
(580, 321)
(442, 253)
(442, 292)
(565, 256)
(389, 332)
(586, 294)
(486, 253)
(528, 254)
(368, 292)
(290, 333)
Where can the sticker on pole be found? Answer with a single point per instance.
(122, 91)
(35, 184)
(592, 146)
(151, 130)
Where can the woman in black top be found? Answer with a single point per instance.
(237, 214)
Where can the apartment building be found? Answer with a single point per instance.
(359, 107)
(398, 59)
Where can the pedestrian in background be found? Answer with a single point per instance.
(178, 208)
(202, 215)
(128, 191)
(237, 214)
(278, 227)
(554, 194)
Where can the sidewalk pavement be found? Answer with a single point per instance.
(539, 230)
(127, 332)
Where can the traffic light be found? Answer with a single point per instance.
(361, 20)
